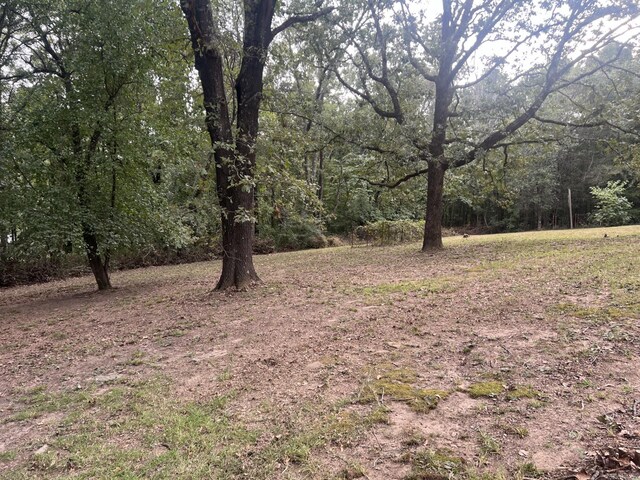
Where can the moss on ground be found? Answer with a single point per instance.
(398, 385)
(485, 389)
(522, 391)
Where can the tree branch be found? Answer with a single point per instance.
(398, 182)
(601, 123)
(298, 19)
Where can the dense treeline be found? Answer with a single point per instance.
(105, 160)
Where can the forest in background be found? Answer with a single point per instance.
(104, 153)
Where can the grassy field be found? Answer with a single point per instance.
(508, 356)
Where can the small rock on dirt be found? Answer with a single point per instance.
(109, 377)
(42, 450)
(315, 366)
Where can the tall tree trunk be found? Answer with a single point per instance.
(99, 266)
(238, 270)
(235, 162)
(433, 219)
(237, 241)
(208, 62)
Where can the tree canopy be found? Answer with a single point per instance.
(142, 130)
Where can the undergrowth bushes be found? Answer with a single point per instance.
(392, 232)
(300, 237)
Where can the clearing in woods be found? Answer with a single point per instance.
(503, 356)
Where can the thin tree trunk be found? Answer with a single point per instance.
(321, 174)
(539, 215)
(433, 220)
(99, 267)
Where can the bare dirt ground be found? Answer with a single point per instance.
(504, 356)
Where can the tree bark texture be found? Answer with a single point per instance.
(99, 264)
(433, 219)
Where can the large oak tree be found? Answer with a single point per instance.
(419, 70)
(234, 139)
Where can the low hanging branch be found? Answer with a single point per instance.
(398, 182)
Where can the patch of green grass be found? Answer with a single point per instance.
(397, 385)
(296, 443)
(343, 426)
(297, 451)
(599, 314)
(429, 464)
(138, 431)
(627, 390)
(137, 359)
(7, 456)
(516, 430)
(45, 462)
(536, 404)
(488, 444)
(585, 383)
(485, 389)
(424, 287)
(379, 414)
(38, 402)
(413, 438)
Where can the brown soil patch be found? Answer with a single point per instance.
(308, 336)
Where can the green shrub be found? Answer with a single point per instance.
(390, 232)
(300, 233)
(612, 207)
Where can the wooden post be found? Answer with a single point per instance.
(570, 211)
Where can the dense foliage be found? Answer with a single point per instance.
(612, 207)
(104, 155)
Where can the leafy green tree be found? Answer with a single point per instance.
(87, 143)
(290, 213)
